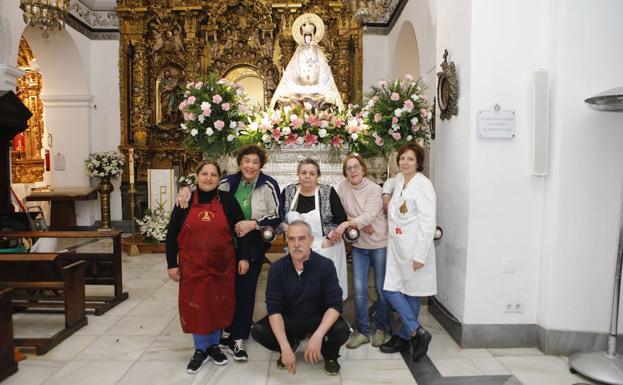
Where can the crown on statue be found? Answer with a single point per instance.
(308, 28)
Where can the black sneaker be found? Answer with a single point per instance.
(332, 367)
(419, 343)
(224, 341)
(195, 363)
(216, 355)
(394, 345)
(236, 349)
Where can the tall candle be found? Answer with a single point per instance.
(131, 164)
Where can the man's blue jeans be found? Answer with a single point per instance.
(408, 308)
(363, 259)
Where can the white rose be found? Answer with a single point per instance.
(233, 124)
(398, 112)
(409, 138)
(266, 138)
(209, 131)
(194, 132)
(414, 97)
(414, 121)
(201, 118)
(322, 133)
(354, 136)
(300, 140)
(230, 137)
(395, 127)
(184, 127)
(286, 131)
(206, 106)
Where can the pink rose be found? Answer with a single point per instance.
(226, 106)
(378, 117)
(378, 141)
(394, 120)
(217, 98)
(396, 135)
(189, 116)
(191, 100)
(395, 96)
(219, 124)
(423, 112)
(182, 105)
(206, 112)
(409, 77)
(408, 105)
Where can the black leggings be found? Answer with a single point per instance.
(298, 329)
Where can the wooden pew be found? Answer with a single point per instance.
(102, 268)
(8, 365)
(46, 272)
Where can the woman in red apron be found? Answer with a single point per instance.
(200, 256)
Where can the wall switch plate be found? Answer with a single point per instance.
(513, 307)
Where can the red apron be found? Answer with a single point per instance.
(207, 269)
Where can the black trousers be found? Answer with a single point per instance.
(245, 300)
(298, 329)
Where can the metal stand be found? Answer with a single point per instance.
(606, 367)
(133, 248)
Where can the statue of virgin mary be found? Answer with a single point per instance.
(307, 79)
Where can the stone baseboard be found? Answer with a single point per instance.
(554, 342)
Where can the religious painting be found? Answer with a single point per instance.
(168, 100)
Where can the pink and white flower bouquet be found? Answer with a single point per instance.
(397, 113)
(214, 111)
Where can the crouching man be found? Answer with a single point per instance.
(303, 297)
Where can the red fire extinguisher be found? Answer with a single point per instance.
(47, 160)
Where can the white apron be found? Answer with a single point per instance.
(336, 253)
(411, 227)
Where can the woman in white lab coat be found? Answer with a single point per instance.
(410, 272)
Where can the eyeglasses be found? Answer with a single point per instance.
(354, 167)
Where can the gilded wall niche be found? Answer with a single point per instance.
(26, 161)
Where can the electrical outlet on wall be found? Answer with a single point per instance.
(515, 306)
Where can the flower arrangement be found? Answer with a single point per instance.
(188, 180)
(304, 126)
(104, 164)
(397, 113)
(214, 110)
(153, 226)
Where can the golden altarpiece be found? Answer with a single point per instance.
(26, 161)
(166, 43)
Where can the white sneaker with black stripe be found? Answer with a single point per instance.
(237, 350)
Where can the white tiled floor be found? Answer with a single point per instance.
(141, 342)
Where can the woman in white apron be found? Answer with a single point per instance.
(319, 206)
(410, 272)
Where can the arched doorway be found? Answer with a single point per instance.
(406, 58)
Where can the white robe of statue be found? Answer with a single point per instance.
(308, 77)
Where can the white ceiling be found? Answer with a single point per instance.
(100, 5)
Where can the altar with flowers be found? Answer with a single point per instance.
(218, 120)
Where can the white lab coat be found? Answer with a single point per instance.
(410, 237)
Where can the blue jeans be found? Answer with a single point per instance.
(408, 308)
(204, 341)
(362, 260)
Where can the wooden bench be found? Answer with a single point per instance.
(8, 365)
(45, 272)
(102, 268)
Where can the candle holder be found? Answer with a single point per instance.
(133, 248)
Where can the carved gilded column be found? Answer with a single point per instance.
(140, 107)
(343, 68)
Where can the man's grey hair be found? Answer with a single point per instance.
(302, 223)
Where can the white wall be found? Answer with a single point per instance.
(11, 27)
(583, 192)
(505, 200)
(105, 115)
(451, 161)
(375, 60)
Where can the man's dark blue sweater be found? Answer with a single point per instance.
(307, 295)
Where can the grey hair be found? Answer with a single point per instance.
(302, 223)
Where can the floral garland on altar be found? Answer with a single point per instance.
(218, 121)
